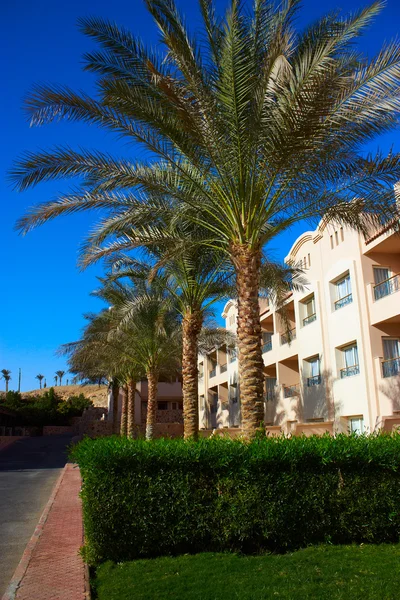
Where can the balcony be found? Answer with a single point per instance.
(311, 381)
(387, 287)
(267, 347)
(349, 371)
(223, 368)
(310, 319)
(391, 367)
(291, 391)
(288, 337)
(343, 301)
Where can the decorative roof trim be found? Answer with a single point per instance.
(227, 306)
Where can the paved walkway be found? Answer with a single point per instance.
(29, 468)
(51, 568)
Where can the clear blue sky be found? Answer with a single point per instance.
(43, 295)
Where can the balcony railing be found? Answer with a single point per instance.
(223, 368)
(290, 391)
(316, 380)
(387, 287)
(288, 337)
(343, 301)
(349, 371)
(391, 367)
(310, 319)
(267, 347)
(213, 372)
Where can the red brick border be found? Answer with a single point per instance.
(33, 560)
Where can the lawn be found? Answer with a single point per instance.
(365, 572)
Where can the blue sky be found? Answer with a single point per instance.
(43, 295)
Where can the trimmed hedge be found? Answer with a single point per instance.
(143, 499)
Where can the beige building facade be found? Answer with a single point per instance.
(338, 368)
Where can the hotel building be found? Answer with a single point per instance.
(338, 368)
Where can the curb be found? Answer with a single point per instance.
(27, 555)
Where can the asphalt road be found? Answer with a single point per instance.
(29, 469)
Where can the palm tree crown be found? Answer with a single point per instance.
(6, 375)
(40, 377)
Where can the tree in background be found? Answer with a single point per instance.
(40, 377)
(60, 375)
(6, 375)
(55, 379)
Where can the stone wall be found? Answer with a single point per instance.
(165, 416)
(58, 430)
(171, 430)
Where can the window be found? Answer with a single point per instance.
(201, 370)
(343, 292)
(331, 242)
(381, 274)
(266, 341)
(313, 369)
(356, 425)
(342, 234)
(270, 385)
(391, 353)
(309, 310)
(180, 405)
(309, 260)
(162, 405)
(232, 320)
(336, 238)
(349, 361)
(201, 402)
(233, 354)
(233, 393)
(385, 282)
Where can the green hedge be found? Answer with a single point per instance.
(170, 496)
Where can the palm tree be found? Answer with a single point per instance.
(195, 277)
(6, 375)
(55, 379)
(253, 126)
(40, 377)
(149, 322)
(95, 356)
(60, 375)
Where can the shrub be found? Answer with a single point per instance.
(46, 409)
(144, 499)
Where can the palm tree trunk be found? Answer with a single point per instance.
(191, 327)
(247, 262)
(6, 386)
(124, 413)
(115, 395)
(152, 380)
(131, 408)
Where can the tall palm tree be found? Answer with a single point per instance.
(252, 126)
(95, 356)
(40, 377)
(149, 322)
(195, 277)
(6, 375)
(60, 375)
(55, 379)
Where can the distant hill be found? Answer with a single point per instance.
(98, 395)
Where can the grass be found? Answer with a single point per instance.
(322, 572)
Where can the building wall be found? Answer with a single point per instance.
(340, 393)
